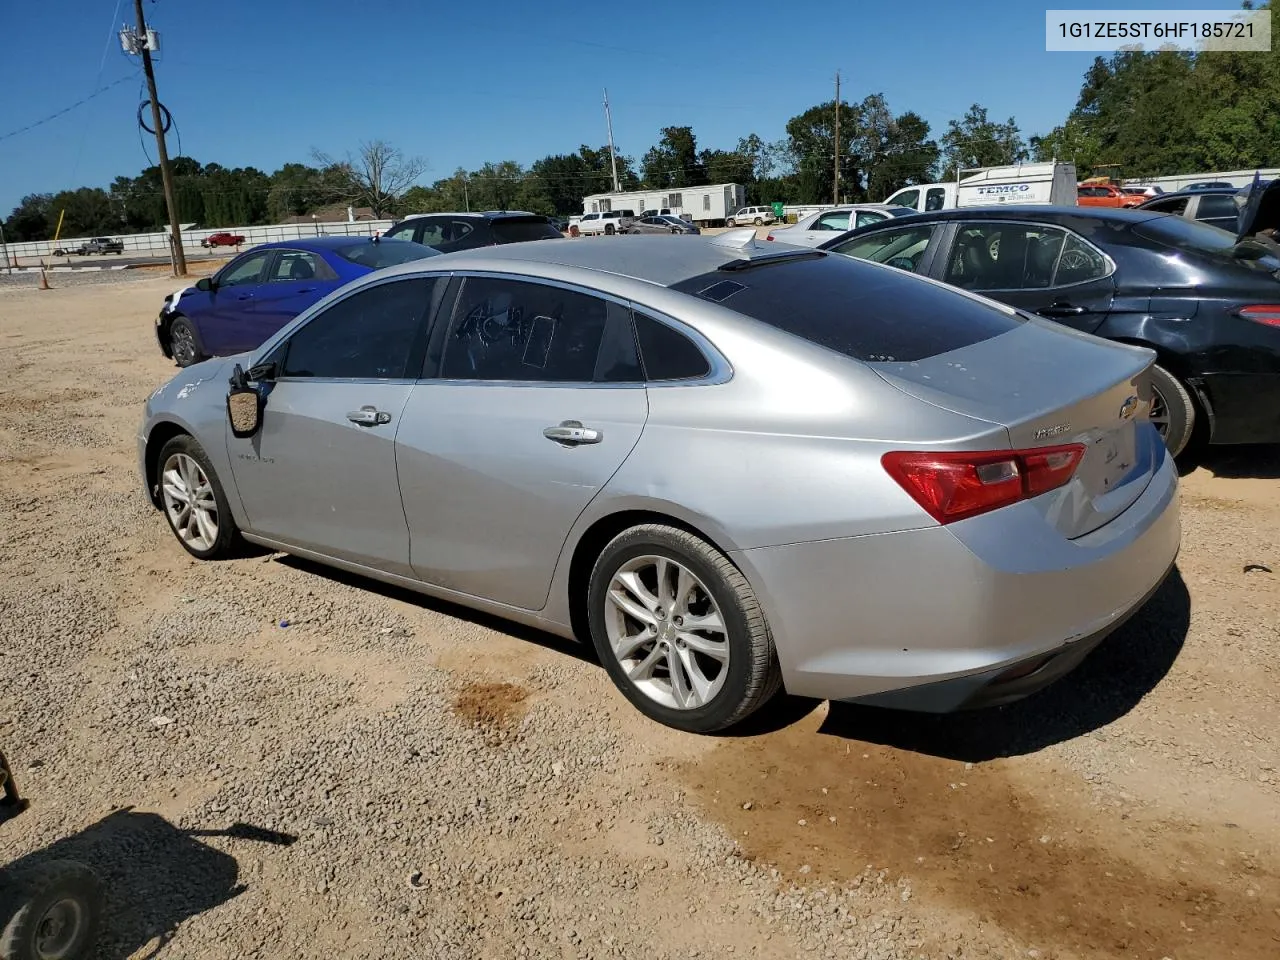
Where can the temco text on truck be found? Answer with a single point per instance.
(998, 189)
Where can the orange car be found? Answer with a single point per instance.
(1105, 195)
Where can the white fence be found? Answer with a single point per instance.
(157, 244)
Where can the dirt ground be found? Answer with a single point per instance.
(388, 776)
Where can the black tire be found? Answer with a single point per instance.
(184, 342)
(228, 542)
(33, 899)
(731, 222)
(753, 677)
(759, 222)
(608, 229)
(1174, 402)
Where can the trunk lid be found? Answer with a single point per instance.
(1259, 206)
(1048, 385)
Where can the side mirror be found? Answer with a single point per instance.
(205, 284)
(244, 405)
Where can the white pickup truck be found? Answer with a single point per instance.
(608, 222)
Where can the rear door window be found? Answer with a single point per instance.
(855, 309)
(999, 255)
(520, 229)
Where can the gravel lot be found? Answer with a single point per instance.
(393, 777)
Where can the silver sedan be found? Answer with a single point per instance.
(734, 467)
(662, 223)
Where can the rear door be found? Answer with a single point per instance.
(1040, 268)
(1217, 210)
(532, 401)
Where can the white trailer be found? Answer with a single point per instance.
(704, 205)
(1025, 183)
(1022, 183)
(1237, 178)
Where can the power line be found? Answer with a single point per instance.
(65, 110)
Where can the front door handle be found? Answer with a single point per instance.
(245, 296)
(571, 433)
(1061, 309)
(369, 417)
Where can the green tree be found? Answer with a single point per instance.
(977, 141)
(812, 147)
(32, 219)
(673, 161)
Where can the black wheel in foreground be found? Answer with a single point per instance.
(49, 912)
(680, 630)
(1173, 410)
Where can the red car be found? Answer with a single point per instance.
(222, 240)
(1105, 195)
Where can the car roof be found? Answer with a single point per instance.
(653, 259)
(1029, 212)
(321, 243)
(476, 214)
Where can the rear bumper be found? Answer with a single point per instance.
(939, 616)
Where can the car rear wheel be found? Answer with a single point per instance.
(194, 502)
(608, 229)
(183, 343)
(1173, 411)
(50, 912)
(680, 630)
(759, 222)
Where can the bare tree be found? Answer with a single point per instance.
(376, 174)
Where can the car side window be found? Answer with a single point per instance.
(1176, 206)
(246, 271)
(901, 247)
(838, 222)
(1004, 256)
(668, 354)
(909, 199)
(296, 265)
(1216, 207)
(867, 217)
(518, 330)
(1079, 263)
(935, 199)
(366, 336)
(430, 232)
(402, 230)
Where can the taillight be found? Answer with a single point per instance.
(1268, 313)
(953, 486)
(768, 236)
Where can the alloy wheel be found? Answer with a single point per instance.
(667, 632)
(182, 344)
(189, 501)
(1159, 414)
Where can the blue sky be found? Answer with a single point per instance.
(263, 83)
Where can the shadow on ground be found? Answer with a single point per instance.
(581, 651)
(1261, 462)
(155, 875)
(1108, 684)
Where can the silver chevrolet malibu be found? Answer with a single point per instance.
(734, 467)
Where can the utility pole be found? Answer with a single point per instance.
(613, 157)
(166, 174)
(5, 247)
(836, 187)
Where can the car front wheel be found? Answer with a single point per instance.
(183, 343)
(194, 502)
(731, 222)
(680, 630)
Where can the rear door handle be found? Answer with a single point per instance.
(571, 433)
(245, 296)
(1061, 310)
(369, 417)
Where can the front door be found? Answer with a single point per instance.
(224, 322)
(1037, 267)
(538, 400)
(321, 472)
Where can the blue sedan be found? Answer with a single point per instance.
(264, 288)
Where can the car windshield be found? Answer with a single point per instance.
(385, 253)
(514, 230)
(858, 309)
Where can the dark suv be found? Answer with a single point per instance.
(448, 232)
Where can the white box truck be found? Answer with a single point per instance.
(1024, 183)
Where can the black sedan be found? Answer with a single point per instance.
(1207, 301)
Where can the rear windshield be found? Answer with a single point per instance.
(861, 310)
(385, 253)
(1189, 235)
(511, 230)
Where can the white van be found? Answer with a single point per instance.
(1023, 183)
